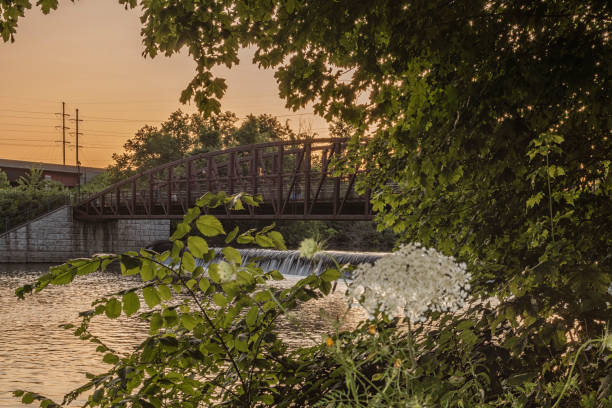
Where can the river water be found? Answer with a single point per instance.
(37, 355)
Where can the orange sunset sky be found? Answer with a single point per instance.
(88, 54)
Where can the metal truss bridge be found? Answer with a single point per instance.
(295, 179)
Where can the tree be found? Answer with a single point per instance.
(34, 180)
(213, 130)
(259, 129)
(183, 135)
(4, 181)
(153, 146)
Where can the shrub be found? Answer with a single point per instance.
(214, 340)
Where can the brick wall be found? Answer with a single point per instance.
(56, 237)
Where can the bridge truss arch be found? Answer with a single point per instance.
(295, 179)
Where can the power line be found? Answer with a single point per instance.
(27, 111)
(25, 131)
(110, 118)
(25, 124)
(38, 141)
(26, 117)
(26, 97)
(27, 140)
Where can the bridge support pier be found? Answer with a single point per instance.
(57, 237)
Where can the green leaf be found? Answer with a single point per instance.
(97, 395)
(156, 322)
(262, 296)
(521, 378)
(197, 246)
(276, 275)
(131, 303)
(213, 273)
(105, 263)
(113, 308)
(191, 214)
(164, 292)
(278, 240)
(534, 199)
(188, 321)
(245, 239)
(129, 263)
(199, 270)
(241, 345)
(204, 284)
(251, 316)
(47, 403)
(110, 358)
(220, 300)
(209, 226)
(290, 6)
(245, 277)
(190, 283)
(236, 204)
(252, 201)
(330, 275)
(151, 296)
(47, 5)
(266, 399)
(182, 229)
(264, 241)
(232, 235)
(378, 376)
(146, 271)
(88, 267)
(468, 337)
(187, 262)
(28, 398)
(64, 278)
(465, 324)
(212, 348)
(325, 286)
(232, 255)
(177, 247)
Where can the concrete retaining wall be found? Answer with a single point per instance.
(56, 237)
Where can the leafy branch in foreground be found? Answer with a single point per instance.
(211, 337)
(214, 340)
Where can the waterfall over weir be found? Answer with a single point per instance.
(290, 263)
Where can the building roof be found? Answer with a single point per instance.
(20, 164)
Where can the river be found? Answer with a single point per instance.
(37, 355)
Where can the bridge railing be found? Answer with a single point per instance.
(295, 178)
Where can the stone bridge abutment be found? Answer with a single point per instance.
(57, 237)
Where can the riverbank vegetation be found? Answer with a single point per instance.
(489, 140)
(214, 340)
(33, 196)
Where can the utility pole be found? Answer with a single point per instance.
(78, 163)
(64, 128)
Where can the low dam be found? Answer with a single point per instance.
(290, 263)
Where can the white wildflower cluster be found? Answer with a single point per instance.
(309, 247)
(409, 282)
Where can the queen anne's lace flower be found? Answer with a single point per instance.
(227, 272)
(409, 282)
(309, 247)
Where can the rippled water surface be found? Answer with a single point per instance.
(37, 355)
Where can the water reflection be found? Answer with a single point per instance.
(36, 354)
